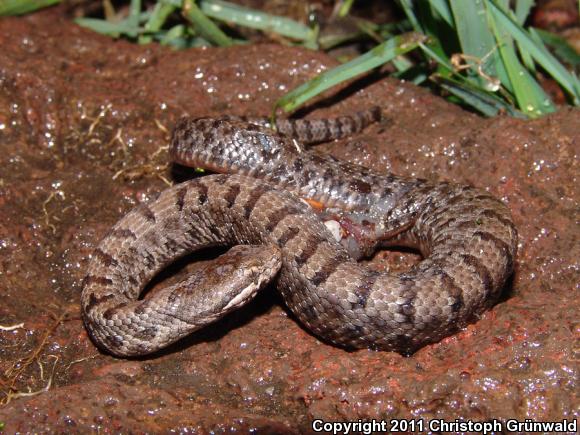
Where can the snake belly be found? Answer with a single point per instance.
(466, 236)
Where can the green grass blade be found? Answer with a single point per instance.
(425, 22)
(367, 29)
(442, 60)
(328, 42)
(567, 80)
(372, 30)
(443, 10)
(175, 36)
(204, 26)
(523, 8)
(156, 20)
(402, 64)
(486, 103)
(344, 9)
(19, 7)
(232, 13)
(415, 74)
(107, 27)
(527, 59)
(409, 10)
(373, 58)
(444, 66)
(522, 12)
(470, 91)
(477, 42)
(472, 28)
(560, 46)
(530, 96)
(134, 12)
(180, 37)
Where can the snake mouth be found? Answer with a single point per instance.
(241, 297)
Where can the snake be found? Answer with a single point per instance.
(300, 221)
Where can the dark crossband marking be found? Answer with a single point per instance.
(116, 341)
(278, 215)
(465, 225)
(181, 319)
(443, 238)
(492, 214)
(407, 308)
(146, 212)
(306, 130)
(218, 178)
(455, 293)
(298, 164)
(484, 197)
(439, 225)
(328, 174)
(202, 194)
(360, 186)
(309, 309)
(140, 309)
(364, 289)
(355, 123)
(147, 333)
(180, 198)
(123, 233)
(463, 211)
(172, 245)
(110, 312)
(149, 259)
(449, 203)
(288, 128)
(105, 258)
(311, 247)
(132, 252)
(386, 192)
(215, 124)
(338, 127)
(500, 246)
(94, 301)
(327, 269)
(133, 281)
(254, 197)
(288, 234)
(217, 234)
(481, 271)
(231, 195)
(98, 280)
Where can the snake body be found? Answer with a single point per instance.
(465, 235)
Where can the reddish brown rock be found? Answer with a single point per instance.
(83, 123)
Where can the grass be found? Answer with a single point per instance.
(497, 68)
(379, 55)
(479, 53)
(20, 7)
(200, 25)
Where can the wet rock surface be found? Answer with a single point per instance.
(84, 125)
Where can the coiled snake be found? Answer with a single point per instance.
(465, 235)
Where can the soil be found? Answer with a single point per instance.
(84, 125)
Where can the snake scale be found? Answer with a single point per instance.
(276, 202)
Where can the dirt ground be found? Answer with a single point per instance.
(84, 125)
